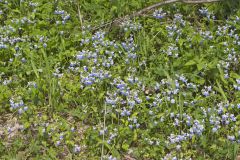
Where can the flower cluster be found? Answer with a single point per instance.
(129, 25)
(18, 105)
(172, 51)
(64, 15)
(237, 86)
(159, 14)
(204, 12)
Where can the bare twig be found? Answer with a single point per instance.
(171, 1)
(199, 1)
(141, 12)
(152, 7)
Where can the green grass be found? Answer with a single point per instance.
(74, 86)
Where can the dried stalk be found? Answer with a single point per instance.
(79, 15)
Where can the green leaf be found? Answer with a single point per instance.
(34, 66)
(220, 90)
(190, 63)
(235, 75)
(222, 76)
(115, 153)
(125, 146)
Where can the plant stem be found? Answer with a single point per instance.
(104, 125)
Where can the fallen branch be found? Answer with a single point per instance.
(152, 7)
(171, 1)
(142, 11)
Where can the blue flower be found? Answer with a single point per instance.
(159, 14)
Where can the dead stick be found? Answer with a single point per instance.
(171, 1)
(139, 13)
